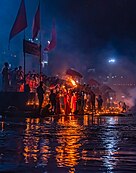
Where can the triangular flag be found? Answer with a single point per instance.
(53, 41)
(36, 23)
(20, 22)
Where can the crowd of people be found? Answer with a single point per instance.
(11, 79)
(72, 100)
(54, 95)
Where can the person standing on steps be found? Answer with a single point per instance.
(40, 93)
(5, 77)
(99, 101)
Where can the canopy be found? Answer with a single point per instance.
(106, 88)
(73, 73)
(93, 82)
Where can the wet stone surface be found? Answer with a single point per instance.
(68, 144)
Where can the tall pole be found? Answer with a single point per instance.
(40, 44)
(46, 54)
(40, 61)
(24, 60)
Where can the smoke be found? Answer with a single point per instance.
(131, 98)
(126, 90)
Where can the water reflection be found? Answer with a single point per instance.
(110, 141)
(69, 143)
(2, 126)
(89, 120)
(36, 145)
(68, 137)
(30, 141)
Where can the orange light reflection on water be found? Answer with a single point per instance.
(68, 143)
(35, 149)
(2, 126)
(31, 142)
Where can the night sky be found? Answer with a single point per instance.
(88, 31)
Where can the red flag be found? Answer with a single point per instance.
(31, 48)
(20, 22)
(36, 23)
(53, 41)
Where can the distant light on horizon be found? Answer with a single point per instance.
(112, 61)
(30, 39)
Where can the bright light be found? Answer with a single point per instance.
(43, 63)
(112, 61)
(30, 39)
(9, 65)
(73, 82)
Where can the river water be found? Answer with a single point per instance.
(68, 144)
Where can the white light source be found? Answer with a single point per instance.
(30, 39)
(43, 63)
(112, 61)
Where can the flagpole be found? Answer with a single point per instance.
(24, 59)
(40, 44)
(47, 58)
(36, 30)
(40, 61)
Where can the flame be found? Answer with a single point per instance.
(73, 82)
(110, 110)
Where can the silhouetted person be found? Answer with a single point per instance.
(57, 104)
(20, 77)
(14, 79)
(100, 101)
(82, 103)
(40, 93)
(27, 88)
(27, 92)
(92, 99)
(46, 110)
(20, 74)
(52, 98)
(124, 107)
(5, 77)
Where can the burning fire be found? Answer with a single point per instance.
(73, 82)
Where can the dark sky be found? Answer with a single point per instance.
(98, 29)
(96, 23)
(88, 31)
